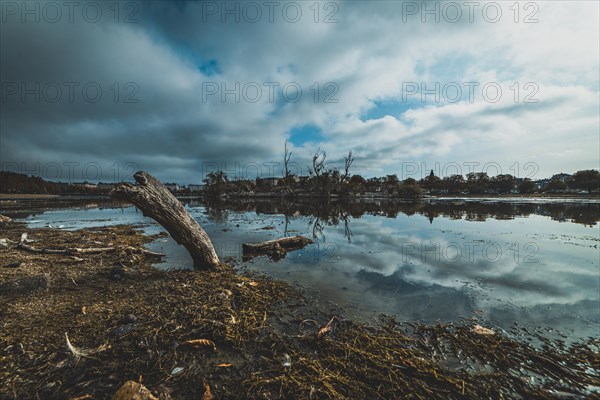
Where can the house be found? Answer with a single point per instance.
(195, 188)
(541, 184)
(105, 186)
(561, 177)
(173, 187)
(267, 181)
(84, 185)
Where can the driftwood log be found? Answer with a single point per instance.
(157, 202)
(91, 250)
(276, 248)
(73, 251)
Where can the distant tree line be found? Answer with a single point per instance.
(332, 183)
(481, 183)
(12, 182)
(323, 181)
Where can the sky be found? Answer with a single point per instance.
(99, 90)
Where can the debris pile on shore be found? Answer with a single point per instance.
(107, 322)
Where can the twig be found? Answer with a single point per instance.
(78, 353)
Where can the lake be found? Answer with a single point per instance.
(534, 262)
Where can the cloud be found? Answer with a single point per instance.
(177, 52)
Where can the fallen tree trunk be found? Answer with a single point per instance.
(157, 202)
(276, 248)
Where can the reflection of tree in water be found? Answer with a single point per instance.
(317, 229)
(347, 232)
(431, 215)
(586, 214)
(332, 213)
(217, 211)
(287, 223)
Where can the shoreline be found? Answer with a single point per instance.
(530, 196)
(15, 196)
(27, 196)
(139, 320)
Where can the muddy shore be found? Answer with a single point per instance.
(126, 320)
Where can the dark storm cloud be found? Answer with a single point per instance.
(141, 101)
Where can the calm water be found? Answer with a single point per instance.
(535, 263)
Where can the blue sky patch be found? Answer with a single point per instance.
(394, 108)
(210, 67)
(305, 133)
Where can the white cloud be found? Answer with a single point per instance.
(368, 54)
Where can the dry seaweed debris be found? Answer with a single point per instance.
(148, 323)
(144, 314)
(392, 361)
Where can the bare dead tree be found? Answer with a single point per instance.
(318, 162)
(286, 160)
(347, 163)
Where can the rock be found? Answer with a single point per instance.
(123, 330)
(15, 264)
(117, 273)
(480, 330)
(130, 319)
(133, 391)
(4, 220)
(26, 285)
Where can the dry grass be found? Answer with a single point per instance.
(263, 331)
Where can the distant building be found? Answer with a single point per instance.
(173, 187)
(561, 177)
(195, 188)
(84, 185)
(541, 184)
(303, 180)
(267, 181)
(105, 186)
(290, 179)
